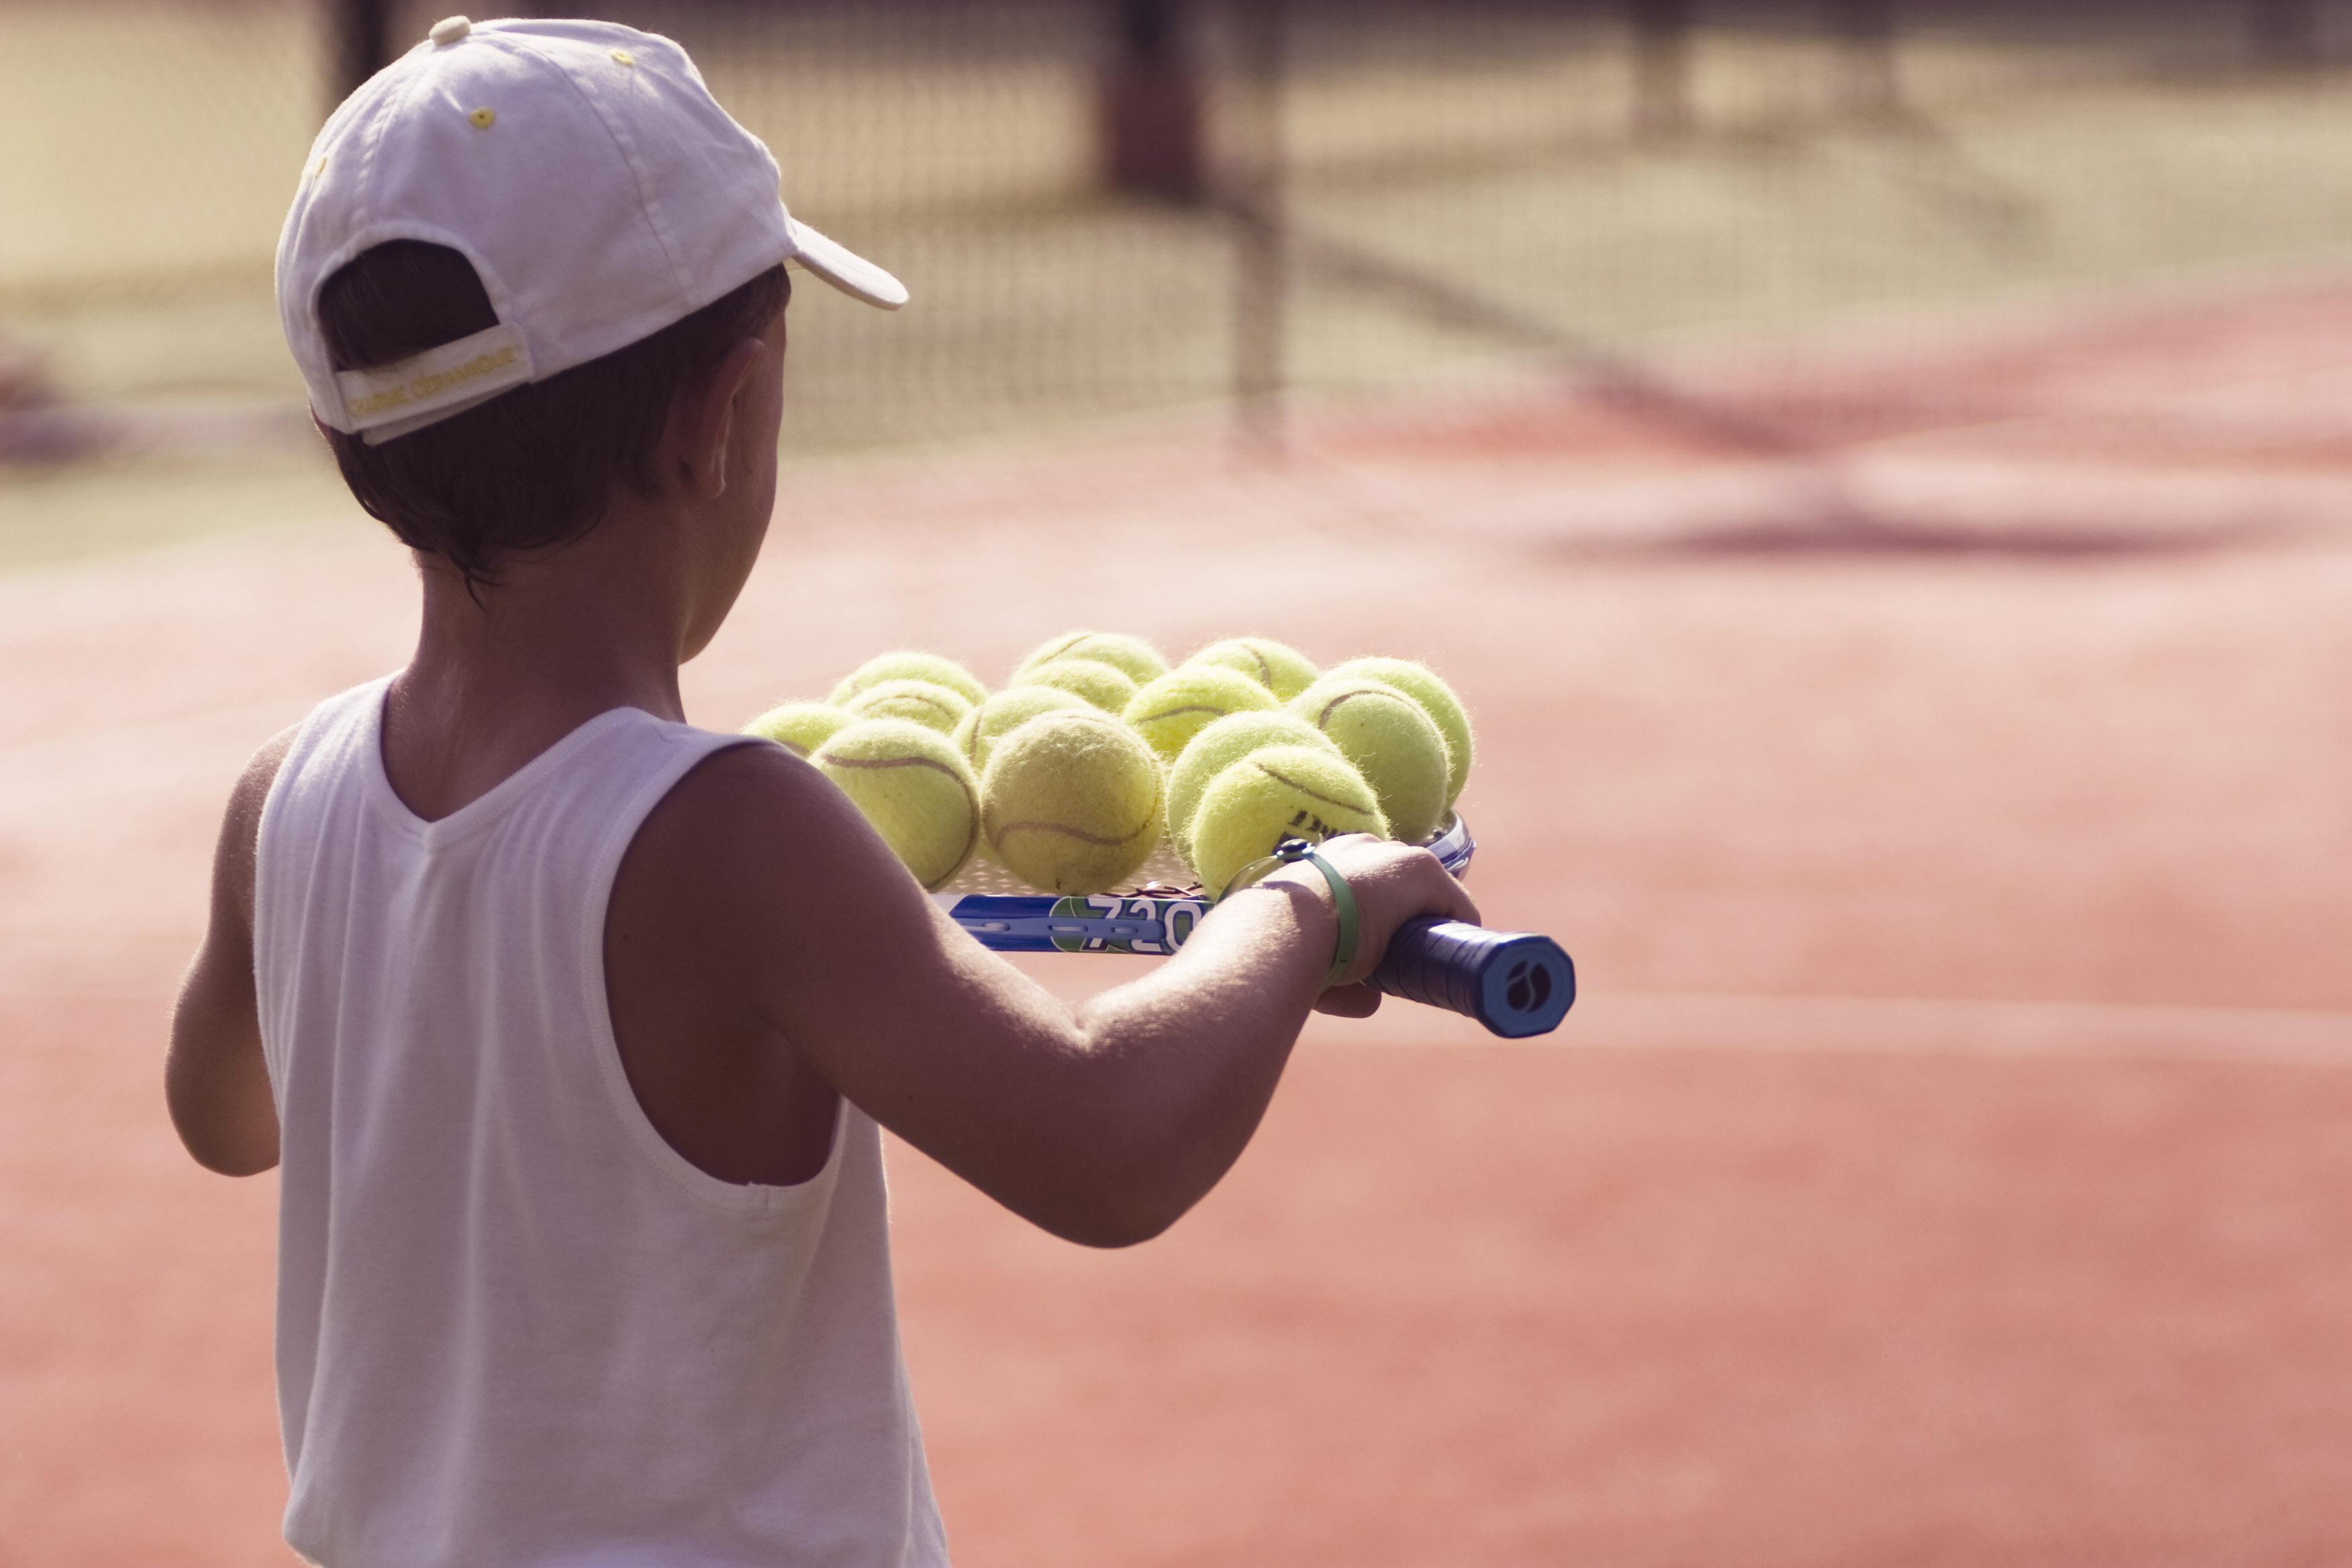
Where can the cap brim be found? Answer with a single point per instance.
(844, 267)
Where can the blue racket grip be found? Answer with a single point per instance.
(1515, 983)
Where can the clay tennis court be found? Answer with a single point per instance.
(1950, 812)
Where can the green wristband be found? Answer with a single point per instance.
(1290, 852)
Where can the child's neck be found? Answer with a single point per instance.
(498, 679)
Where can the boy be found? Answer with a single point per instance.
(575, 1027)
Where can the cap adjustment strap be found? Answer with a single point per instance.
(437, 382)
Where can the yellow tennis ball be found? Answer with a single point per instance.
(1273, 794)
(908, 665)
(1132, 656)
(1279, 667)
(800, 727)
(1103, 685)
(1010, 709)
(933, 707)
(1398, 748)
(913, 787)
(1219, 746)
(1178, 706)
(1071, 802)
(1437, 699)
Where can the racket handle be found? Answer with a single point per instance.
(1515, 983)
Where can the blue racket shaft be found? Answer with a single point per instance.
(1515, 983)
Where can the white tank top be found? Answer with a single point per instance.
(515, 1327)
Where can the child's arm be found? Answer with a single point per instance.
(1102, 1126)
(214, 1077)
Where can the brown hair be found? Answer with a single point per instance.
(534, 468)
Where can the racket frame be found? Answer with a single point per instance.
(1154, 919)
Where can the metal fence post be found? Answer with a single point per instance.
(1260, 210)
(1868, 85)
(1661, 67)
(1148, 109)
(362, 43)
(2286, 32)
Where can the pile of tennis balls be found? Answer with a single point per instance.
(1096, 752)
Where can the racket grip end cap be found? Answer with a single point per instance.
(1517, 983)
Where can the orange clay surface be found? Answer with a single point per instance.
(1946, 792)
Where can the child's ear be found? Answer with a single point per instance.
(708, 428)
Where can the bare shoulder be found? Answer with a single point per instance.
(261, 771)
(756, 886)
(746, 814)
(743, 784)
(711, 912)
(762, 869)
(232, 865)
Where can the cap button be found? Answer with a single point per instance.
(449, 29)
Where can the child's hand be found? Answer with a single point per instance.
(1394, 884)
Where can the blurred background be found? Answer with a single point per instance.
(1112, 207)
(1876, 468)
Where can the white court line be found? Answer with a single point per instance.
(1903, 1026)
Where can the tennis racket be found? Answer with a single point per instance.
(1515, 983)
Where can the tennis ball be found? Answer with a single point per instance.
(913, 787)
(933, 707)
(909, 666)
(1398, 748)
(1107, 687)
(1071, 802)
(1132, 656)
(1279, 667)
(1010, 709)
(799, 727)
(1219, 746)
(1273, 794)
(1420, 683)
(1178, 706)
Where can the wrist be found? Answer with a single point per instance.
(1300, 864)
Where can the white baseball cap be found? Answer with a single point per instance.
(585, 171)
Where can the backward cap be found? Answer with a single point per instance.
(584, 170)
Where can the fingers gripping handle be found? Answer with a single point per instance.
(1515, 983)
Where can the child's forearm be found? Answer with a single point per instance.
(1198, 1047)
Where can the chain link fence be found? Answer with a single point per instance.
(1106, 208)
